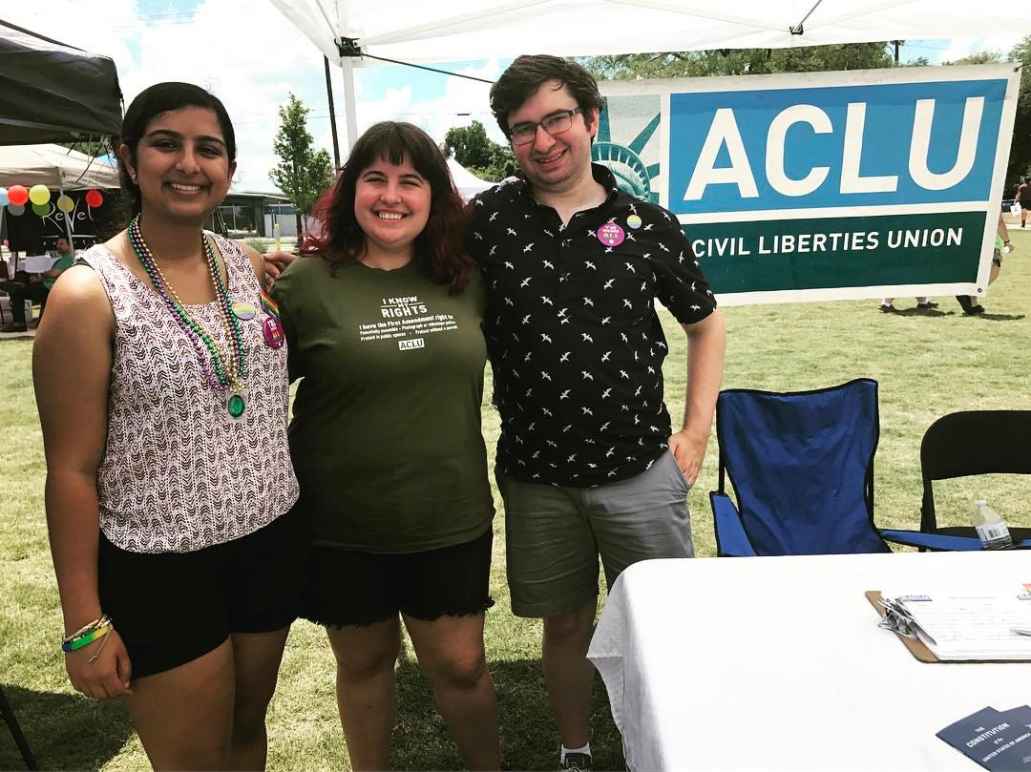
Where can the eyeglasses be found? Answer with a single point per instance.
(556, 123)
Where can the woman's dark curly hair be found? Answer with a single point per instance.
(151, 102)
(439, 250)
(528, 73)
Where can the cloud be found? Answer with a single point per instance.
(463, 101)
(961, 47)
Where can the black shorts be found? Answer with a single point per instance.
(345, 587)
(171, 608)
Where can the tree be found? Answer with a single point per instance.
(1020, 150)
(470, 145)
(303, 172)
(478, 153)
(749, 61)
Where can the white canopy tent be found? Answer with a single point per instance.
(468, 184)
(54, 166)
(417, 31)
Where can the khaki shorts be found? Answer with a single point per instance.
(554, 534)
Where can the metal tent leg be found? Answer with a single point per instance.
(7, 712)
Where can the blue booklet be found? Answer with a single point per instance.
(996, 740)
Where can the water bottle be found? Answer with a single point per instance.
(990, 527)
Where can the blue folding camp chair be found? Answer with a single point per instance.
(801, 465)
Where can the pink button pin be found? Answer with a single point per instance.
(611, 235)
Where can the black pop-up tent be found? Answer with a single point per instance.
(52, 92)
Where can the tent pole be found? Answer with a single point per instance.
(67, 216)
(350, 106)
(332, 115)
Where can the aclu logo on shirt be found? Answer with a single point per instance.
(408, 345)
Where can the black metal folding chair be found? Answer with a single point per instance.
(19, 738)
(973, 442)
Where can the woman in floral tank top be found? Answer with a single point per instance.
(161, 381)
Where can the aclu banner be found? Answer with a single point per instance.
(823, 186)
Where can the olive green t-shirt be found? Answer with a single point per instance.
(385, 436)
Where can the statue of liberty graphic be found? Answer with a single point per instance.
(633, 175)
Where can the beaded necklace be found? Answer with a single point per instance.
(220, 371)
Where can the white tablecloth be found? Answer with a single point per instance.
(30, 264)
(37, 263)
(778, 664)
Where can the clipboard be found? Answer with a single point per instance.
(920, 651)
(916, 647)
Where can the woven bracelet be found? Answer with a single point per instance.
(85, 638)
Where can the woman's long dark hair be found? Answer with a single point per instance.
(439, 249)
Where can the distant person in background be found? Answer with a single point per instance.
(1023, 197)
(922, 304)
(1002, 245)
(37, 291)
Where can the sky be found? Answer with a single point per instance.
(252, 58)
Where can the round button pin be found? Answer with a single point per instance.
(633, 222)
(244, 311)
(611, 235)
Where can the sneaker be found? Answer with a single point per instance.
(927, 306)
(974, 310)
(887, 308)
(577, 761)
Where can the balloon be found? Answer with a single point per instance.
(39, 195)
(17, 210)
(17, 195)
(94, 198)
(65, 203)
(3, 196)
(41, 209)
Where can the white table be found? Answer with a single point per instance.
(777, 663)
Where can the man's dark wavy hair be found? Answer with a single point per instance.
(527, 73)
(439, 250)
(151, 102)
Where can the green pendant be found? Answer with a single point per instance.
(235, 404)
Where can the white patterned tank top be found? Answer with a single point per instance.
(179, 473)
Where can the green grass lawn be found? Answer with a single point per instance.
(927, 365)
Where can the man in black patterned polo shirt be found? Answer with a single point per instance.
(587, 461)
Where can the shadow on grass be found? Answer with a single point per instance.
(529, 739)
(988, 317)
(935, 313)
(64, 731)
(929, 312)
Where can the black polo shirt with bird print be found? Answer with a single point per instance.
(575, 344)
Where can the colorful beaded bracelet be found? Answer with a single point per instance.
(83, 637)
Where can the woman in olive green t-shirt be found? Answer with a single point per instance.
(384, 329)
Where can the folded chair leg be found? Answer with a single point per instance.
(7, 712)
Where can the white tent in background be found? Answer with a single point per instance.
(468, 184)
(54, 166)
(415, 30)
